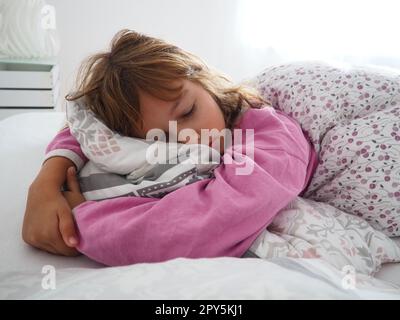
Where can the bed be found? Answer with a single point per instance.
(27, 273)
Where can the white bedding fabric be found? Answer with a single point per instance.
(219, 278)
(23, 139)
(110, 153)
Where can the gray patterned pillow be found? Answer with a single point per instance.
(310, 229)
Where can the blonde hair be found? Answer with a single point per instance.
(109, 81)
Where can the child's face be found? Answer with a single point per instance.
(196, 110)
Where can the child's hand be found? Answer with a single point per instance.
(48, 222)
(74, 196)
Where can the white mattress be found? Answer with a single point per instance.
(23, 139)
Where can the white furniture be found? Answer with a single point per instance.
(28, 85)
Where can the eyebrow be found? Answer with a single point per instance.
(176, 104)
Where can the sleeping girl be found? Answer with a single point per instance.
(141, 84)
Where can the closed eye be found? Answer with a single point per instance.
(188, 114)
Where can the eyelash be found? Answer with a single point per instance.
(188, 114)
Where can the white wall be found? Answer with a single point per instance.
(238, 37)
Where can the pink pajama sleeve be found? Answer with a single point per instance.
(65, 145)
(216, 217)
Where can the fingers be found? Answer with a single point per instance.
(41, 245)
(72, 181)
(55, 246)
(49, 248)
(60, 248)
(67, 228)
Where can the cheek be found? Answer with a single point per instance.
(214, 116)
(219, 119)
(212, 120)
(209, 117)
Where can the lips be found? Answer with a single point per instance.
(211, 142)
(218, 141)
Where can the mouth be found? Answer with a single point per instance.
(217, 147)
(211, 142)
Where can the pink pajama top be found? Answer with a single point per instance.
(214, 217)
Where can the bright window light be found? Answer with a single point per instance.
(316, 29)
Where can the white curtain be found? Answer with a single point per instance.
(349, 31)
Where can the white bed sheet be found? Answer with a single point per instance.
(23, 139)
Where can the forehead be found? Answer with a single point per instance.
(150, 101)
(156, 112)
(151, 105)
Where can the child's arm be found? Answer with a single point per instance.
(209, 218)
(48, 222)
(65, 145)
